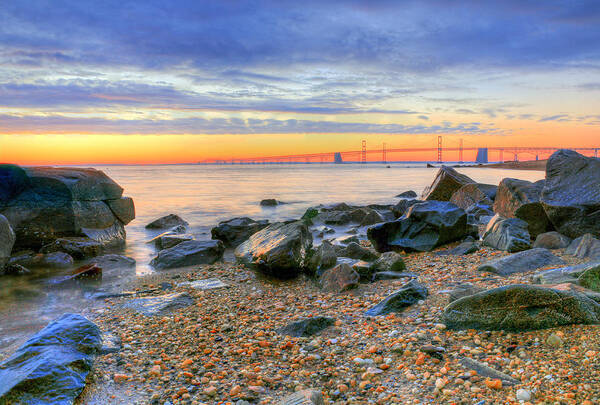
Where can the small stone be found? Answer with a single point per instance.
(523, 395)
(210, 391)
(554, 340)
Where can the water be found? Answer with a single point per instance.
(205, 195)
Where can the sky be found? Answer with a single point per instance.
(184, 81)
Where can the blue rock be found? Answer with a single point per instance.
(410, 293)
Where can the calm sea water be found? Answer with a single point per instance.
(205, 195)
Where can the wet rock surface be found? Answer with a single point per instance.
(168, 221)
(159, 305)
(509, 234)
(522, 262)
(236, 230)
(189, 253)
(446, 182)
(474, 193)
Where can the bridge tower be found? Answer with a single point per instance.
(439, 150)
(363, 155)
(384, 160)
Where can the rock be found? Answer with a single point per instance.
(340, 278)
(509, 234)
(114, 262)
(304, 397)
(407, 194)
(56, 260)
(355, 251)
(523, 395)
(588, 247)
(392, 275)
(479, 211)
(365, 216)
(409, 294)
(169, 239)
(520, 307)
(159, 305)
(337, 207)
(87, 271)
(7, 240)
(521, 262)
(281, 249)
(571, 194)
(488, 372)
(447, 181)
(52, 366)
(464, 248)
(269, 202)
(474, 193)
(521, 199)
(389, 261)
(586, 275)
(323, 257)
(364, 270)
(123, 208)
(205, 284)
(334, 217)
(551, 240)
(463, 290)
(306, 327)
(402, 206)
(14, 270)
(425, 226)
(78, 247)
(168, 221)
(554, 340)
(348, 239)
(234, 231)
(189, 253)
(310, 213)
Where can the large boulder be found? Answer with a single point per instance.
(340, 278)
(447, 181)
(281, 249)
(521, 307)
(402, 206)
(7, 241)
(521, 262)
(236, 230)
(78, 247)
(586, 275)
(521, 199)
(45, 203)
(323, 257)
(189, 253)
(571, 194)
(334, 217)
(388, 261)
(54, 260)
(365, 216)
(355, 251)
(425, 226)
(551, 240)
(52, 366)
(409, 294)
(168, 221)
(509, 234)
(474, 193)
(588, 247)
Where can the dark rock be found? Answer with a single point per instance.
(520, 307)
(474, 193)
(7, 240)
(521, 199)
(338, 279)
(56, 260)
(344, 240)
(337, 207)
(324, 257)
(168, 240)
(123, 208)
(389, 261)
(310, 213)
(586, 275)
(168, 221)
(234, 231)
(365, 216)
(355, 251)
(465, 248)
(13, 181)
(189, 253)
(78, 247)
(409, 294)
(87, 271)
(426, 226)
(508, 234)
(159, 305)
(572, 248)
(588, 247)
(52, 366)
(334, 217)
(447, 181)
(478, 211)
(306, 327)
(571, 194)
(463, 290)
(14, 270)
(402, 206)
(488, 372)
(269, 202)
(392, 275)
(363, 269)
(281, 249)
(551, 240)
(521, 262)
(114, 262)
(407, 194)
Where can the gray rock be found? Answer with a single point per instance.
(392, 275)
(169, 239)
(424, 227)
(236, 230)
(189, 253)
(123, 208)
(365, 216)
(409, 294)
(55, 260)
(337, 207)
(407, 194)
(344, 240)
(521, 262)
(113, 262)
(281, 249)
(509, 234)
(355, 251)
(447, 181)
(520, 307)
(551, 240)
(205, 284)
(464, 248)
(334, 217)
(402, 206)
(479, 212)
(389, 261)
(269, 202)
(52, 366)
(572, 248)
(521, 199)
(304, 397)
(571, 194)
(488, 372)
(7, 241)
(588, 247)
(586, 275)
(78, 247)
(323, 257)
(340, 278)
(159, 305)
(474, 193)
(463, 290)
(306, 327)
(168, 221)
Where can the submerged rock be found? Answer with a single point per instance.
(521, 307)
(306, 327)
(269, 202)
(551, 240)
(281, 249)
(447, 181)
(114, 261)
(78, 247)
(409, 294)
(340, 278)
(509, 234)
(236, 230)
(189, 253)
(55, 260)
(52, 366)
(159, 305)
(521, 262)
(407, 194)
(571, 194)
(426, 226)
(168, 221)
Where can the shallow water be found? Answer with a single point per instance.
(205, 195)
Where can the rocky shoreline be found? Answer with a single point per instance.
(471, 293)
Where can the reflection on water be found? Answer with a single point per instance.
(205, 195)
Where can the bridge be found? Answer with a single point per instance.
(388, 155)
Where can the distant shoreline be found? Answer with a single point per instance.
(526, 165)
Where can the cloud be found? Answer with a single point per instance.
(557, 117)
